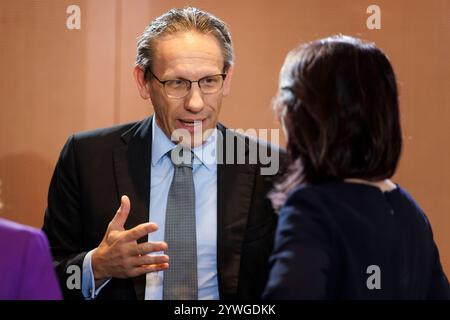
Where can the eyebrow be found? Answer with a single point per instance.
(208, 73)
(182, 78)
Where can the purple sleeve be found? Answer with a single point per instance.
(39, 280)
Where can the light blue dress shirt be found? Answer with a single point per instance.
(205, 181)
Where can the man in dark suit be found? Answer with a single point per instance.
(184, 65)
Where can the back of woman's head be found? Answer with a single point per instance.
(338, 102)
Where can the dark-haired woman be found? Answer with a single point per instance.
(345, 230)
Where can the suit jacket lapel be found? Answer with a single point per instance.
(132, 169)
(235, 184)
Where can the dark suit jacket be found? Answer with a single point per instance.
(328, 236)
(26, 269)
(97, 167)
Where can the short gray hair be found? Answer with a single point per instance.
(183, 20)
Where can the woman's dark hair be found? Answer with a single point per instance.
(338, 103)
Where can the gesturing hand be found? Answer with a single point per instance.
(120, 256)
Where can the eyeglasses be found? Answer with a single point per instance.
(179, 88)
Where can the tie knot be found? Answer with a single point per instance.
(181, 157)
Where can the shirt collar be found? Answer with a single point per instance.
(204, 154)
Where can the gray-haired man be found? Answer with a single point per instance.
(201, 230)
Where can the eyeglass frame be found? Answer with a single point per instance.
(163, 82)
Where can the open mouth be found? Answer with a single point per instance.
(193, 130)
(190, 123)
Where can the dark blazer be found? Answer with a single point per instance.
(26, 269)
(330, 234)
(95, 168)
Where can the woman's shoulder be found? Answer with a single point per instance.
(320, 194)
(308, 201)
(308, 209)
(406, 203)
(14, 230)
(332, 197)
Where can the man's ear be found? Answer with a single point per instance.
(227, 82)
(142, 84)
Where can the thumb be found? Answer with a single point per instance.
(122, 213)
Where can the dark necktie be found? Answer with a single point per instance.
(180, 280)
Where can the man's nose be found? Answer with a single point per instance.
(194, 100)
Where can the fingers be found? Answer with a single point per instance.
(149, 260)
(122, 213)
(148, 247)
(147, 269)
(139, 231)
